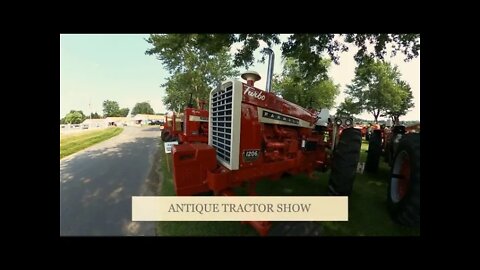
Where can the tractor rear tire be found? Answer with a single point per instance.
(387, 154)
(164, 135)
(170, 138)
(344, 163)
(374, 152)
(403, 198)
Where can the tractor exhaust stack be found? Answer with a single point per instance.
(271, 60)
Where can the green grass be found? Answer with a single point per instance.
(73, 143)
(193, 228)
(368, 214)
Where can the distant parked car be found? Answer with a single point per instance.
(155, 123)
(85, 126)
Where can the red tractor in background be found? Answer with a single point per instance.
(400, 147)
(189, 127)
(255, 135)
(172, 127)
(363, 129)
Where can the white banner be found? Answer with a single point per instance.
(240, 208)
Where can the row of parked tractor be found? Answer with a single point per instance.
(249, 134)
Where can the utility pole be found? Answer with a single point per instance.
(90, 108)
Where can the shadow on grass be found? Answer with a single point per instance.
(193, 228)
(368, 214)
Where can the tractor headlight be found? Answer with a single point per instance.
(338, 121)
(348, 122)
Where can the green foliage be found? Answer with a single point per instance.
(95, 115)
(171, 48)
(74, 117)
(178, 89)
(305, 89)
(195, 60)
(404, 105)
(348, 108)
(142, 108)
(193, 69)
(110, 108)
(250, 43)
(378, 87)
(307, 48)
(123, 112)
(408, 44)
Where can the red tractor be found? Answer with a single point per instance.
(172, 127)
(189, 127)
(400, 147)
(363, 129)
(255, 135)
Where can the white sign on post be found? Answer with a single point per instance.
(169, 145)
(360, 167)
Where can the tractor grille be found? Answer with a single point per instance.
(221, 119)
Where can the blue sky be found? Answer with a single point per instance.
(97, 67)
(94, 68)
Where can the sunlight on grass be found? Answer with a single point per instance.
(73, 143)
(368, 214)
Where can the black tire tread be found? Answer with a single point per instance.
(374, 152)
(164, 135)
(344, 162)
(407, 211)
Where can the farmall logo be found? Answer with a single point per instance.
(279, 117)
(251, 92)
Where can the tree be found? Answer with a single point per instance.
(124, 112)
(305, 89)
(186, 55)
(142, 108)
(74, 117)
(404, 106)
(195, 69)
(95, 116)
(110, 108)
(348, 108)
(377, 86)
(307, 48)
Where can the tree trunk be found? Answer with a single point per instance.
(396, 119)
(375, 115)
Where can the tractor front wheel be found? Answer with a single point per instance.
(404, 186)
(164, 135)
(170, 138)
(344, 162)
